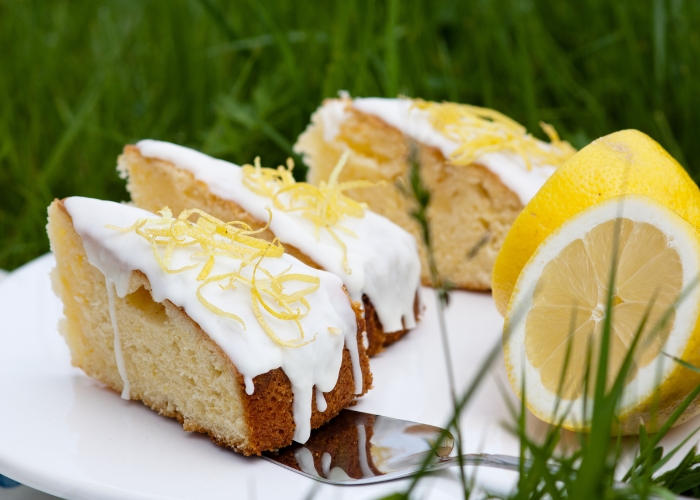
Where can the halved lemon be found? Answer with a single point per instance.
(556, 313)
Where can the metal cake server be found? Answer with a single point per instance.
(360, 448)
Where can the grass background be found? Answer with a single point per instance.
(78, 80)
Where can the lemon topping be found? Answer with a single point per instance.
(324, 205)
(383, 258)
(481, 130)
(233, 240)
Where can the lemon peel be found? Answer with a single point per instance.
(482, 130)
(324, 205)
(235, 240)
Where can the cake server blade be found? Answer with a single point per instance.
(361, 448)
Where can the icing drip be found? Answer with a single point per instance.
(351, 345)
(321, 404)
(332, 319)
(121, 367)
(249, 386)
(415, 123)
(326, 463)
(362, 451)
(338, 474)
(382, 256)
(305, 461)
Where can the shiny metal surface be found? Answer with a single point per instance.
(361, 448)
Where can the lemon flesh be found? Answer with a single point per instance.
(571, 296)
(556, 314)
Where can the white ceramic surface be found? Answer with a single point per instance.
(64, 434)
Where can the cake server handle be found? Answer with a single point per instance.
(506, 462)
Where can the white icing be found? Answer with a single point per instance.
(326, 463)
(415, 123)
(305, 461)
(251, 350)
(383, 258)
(119, 356)
(338, 474)
(249, 386)
(362, 451)
(333, 114)
(321, 404)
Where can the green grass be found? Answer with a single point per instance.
(78, 80)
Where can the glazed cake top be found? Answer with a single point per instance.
(226, 309)
(523, 174)
(380, 259)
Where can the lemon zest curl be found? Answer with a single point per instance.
(324, 205)
(234, 240)
(483, 130)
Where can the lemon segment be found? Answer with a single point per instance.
(626, 162)
(556, 314)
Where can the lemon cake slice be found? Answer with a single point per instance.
(376, 259)
(479, 166)
(204, 322)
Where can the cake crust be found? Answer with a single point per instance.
(266, 415)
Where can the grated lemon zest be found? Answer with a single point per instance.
(482, 130)
(235, 240)
(324, 205)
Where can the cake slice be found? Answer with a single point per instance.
(376, 259)
(206, 323)
(479, 167)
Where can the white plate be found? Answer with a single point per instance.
(64, 434)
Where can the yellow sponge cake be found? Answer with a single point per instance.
(206, 323)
